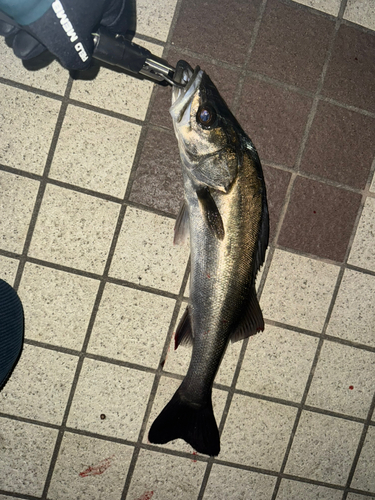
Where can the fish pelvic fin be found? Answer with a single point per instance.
(181, 228)
(184, 332)
(192, 422)
(252, 320)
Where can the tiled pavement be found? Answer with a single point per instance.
(90, 186)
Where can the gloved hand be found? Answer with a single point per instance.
(65, 29)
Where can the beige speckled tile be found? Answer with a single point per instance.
(256, 432)
(167, 387)
(89, 469)
(225, 482)
(57, 305)
(362, 253)
(277, 363)
(53, 78)
(116, 91)
(165, 477)
(353, 315)
(295, 490)
(131, 325)
(27, 123)
(364, 477)
(18, 195)
(8, 269)
(40, 385)
(329, 6)
(298, 290)
(323, 448)
(372, 187)
(121, 394)
(95, 151)
(361, 12)
(355, 496)
(145, 253)
(74, 229)
(343, 380)
(35, 445)
(154, 17)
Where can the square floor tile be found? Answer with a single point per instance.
(202, 27)
(53, 78)
(256, 432)
(360, 12)
(353, 315)
(40, 385)
(323, 448)
(165, 477)
(350, 75)
(295, 490)
(158, 178)
(225, 482)
(166, 388)
(277, 363)
(343, 380)
(98, 156)
(116, 91)
(8, 269)
(18, 195)
(121, 394)
(34, 444)
(131, 325)
(319, 219)
(339, 139)
(145, 253)
(74, 229)
(364, 478)
(362, 253)
(57, 305)
(274, 118)
(298, 290)
(292, 44)
(154, 17)
(27, 123)
(329, 6)
(277, 182)
(89, 469)
(354, 496)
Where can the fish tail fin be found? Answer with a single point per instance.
(193, 422)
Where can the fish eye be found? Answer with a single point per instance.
(206, 115)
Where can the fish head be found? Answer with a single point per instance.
(207, 132)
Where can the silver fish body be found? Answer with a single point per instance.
(225, 212)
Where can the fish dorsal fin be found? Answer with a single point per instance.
(252, 320)
(184, 332)
(210, 212)
(181, 227)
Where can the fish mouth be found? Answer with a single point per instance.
(182, 96)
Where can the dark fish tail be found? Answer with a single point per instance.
(193, 422)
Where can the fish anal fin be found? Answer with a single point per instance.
(252, 320)
(181, 228)
(211, 213)
(184, 332)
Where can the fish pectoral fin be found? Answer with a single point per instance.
(211, 213)
(252, 320)
(181, 227)
(184, 332)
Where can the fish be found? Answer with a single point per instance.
(225, 215)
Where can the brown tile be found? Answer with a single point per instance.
(274, 118)
(225, 80)
(277, 182)
(292, 44)
(158, 180)
(319, 219)
(351, 73)
(340, 146)
(216, 28)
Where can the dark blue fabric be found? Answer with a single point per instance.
(11, 330)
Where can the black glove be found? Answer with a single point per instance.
(66, 28)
